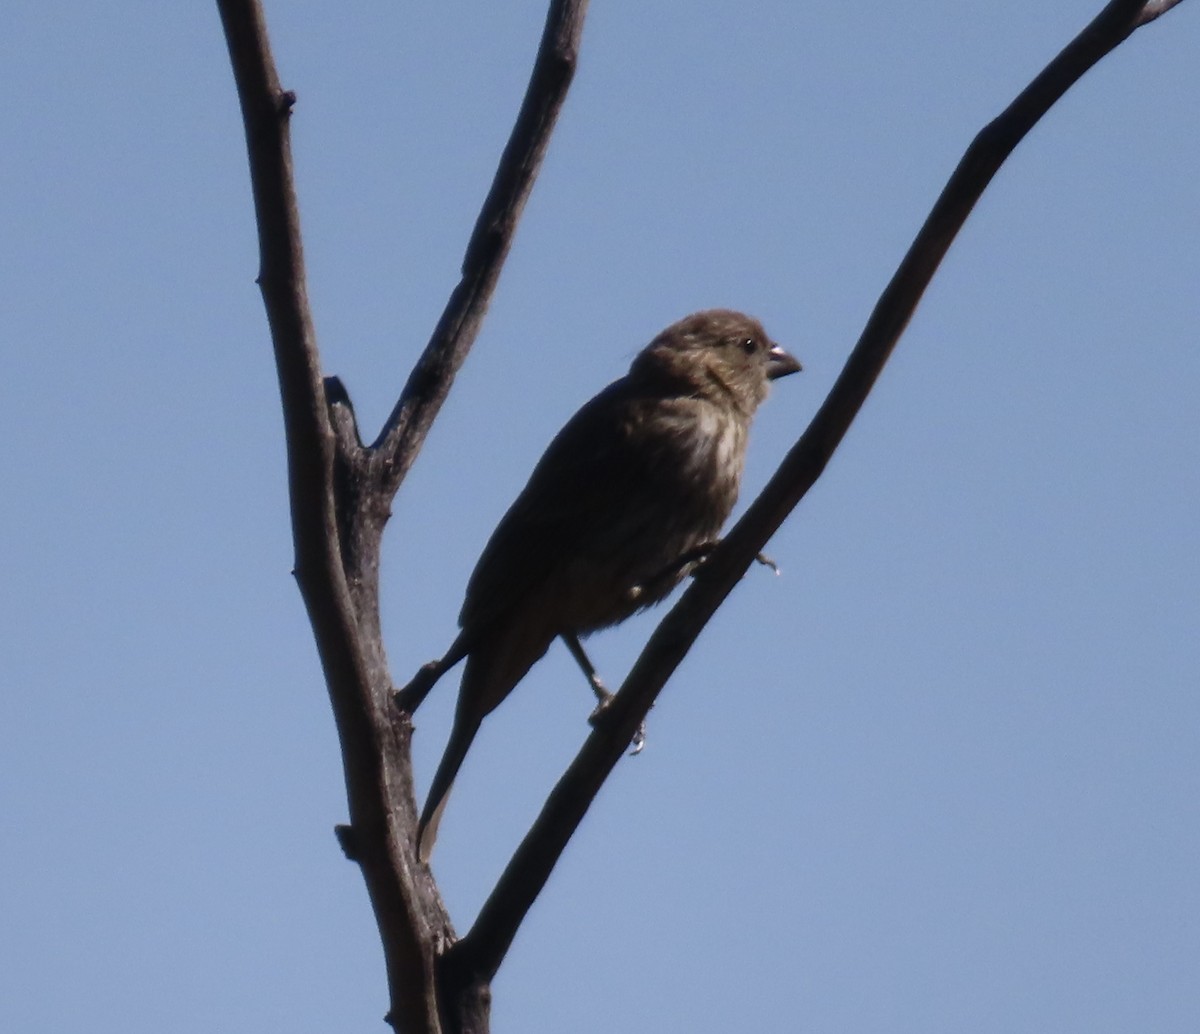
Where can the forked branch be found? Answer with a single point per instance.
(340, 494)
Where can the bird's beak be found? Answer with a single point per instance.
(781, 363)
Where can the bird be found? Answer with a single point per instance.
(628, 497)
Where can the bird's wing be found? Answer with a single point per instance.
(568, 505)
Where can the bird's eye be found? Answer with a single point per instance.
(749, 345)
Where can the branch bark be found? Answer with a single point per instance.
(431, 378)
(485, 945)
(374, 751)
(340, 495)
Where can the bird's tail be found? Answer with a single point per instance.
(496, 663)
(461, 736)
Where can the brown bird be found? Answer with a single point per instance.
(629, 495)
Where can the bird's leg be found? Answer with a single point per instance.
(680, 565)
(686, 564)
(603, 693)
(410, 697)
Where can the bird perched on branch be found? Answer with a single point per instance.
(628, 497)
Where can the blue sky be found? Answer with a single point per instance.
(940, 776)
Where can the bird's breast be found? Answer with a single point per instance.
(700, 449)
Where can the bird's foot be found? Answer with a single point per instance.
(766, 561)
(603, 697)
(680, 567)
(638, 742)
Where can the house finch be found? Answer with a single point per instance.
(628, 496)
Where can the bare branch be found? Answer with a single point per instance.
(483, 948)
(330, 538)
(340, 491)
(431, 378)
(266, 108)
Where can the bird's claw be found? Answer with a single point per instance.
(766, 561)
(638, 743)
(605, 698)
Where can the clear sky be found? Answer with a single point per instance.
(941, 776)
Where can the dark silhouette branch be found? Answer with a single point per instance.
(374, 751)
(483, 948)
(340, 495)
(431, 378)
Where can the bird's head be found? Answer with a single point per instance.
(717, 354)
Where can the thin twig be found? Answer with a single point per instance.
(485, 945)
(431, 378)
